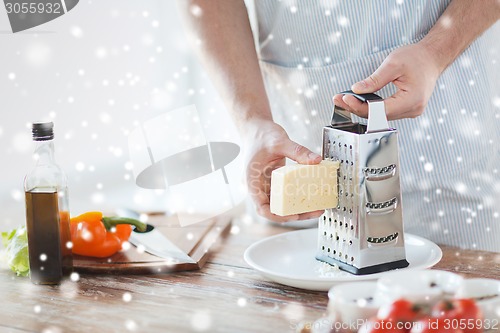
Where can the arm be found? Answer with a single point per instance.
(228, 53)
(414, 69)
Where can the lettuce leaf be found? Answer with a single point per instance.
(15, 243)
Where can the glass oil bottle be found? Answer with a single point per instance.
(47, 212)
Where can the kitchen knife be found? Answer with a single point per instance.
(154, 242)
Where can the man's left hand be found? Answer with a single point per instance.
(412, 69)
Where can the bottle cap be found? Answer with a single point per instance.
(43, 131)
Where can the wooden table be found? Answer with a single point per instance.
(225, 296)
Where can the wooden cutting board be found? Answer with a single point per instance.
(195, 240)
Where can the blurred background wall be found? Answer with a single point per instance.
(97, 72)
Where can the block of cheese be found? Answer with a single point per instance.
(300, 188)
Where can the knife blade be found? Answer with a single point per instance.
(154, 242)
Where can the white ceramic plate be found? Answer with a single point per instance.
(288, 259)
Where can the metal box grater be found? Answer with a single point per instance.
(364, 233)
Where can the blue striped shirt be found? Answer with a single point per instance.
(450, 156)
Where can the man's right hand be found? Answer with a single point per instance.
(267, 145)
(224, 29)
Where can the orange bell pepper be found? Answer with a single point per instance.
(94, 235)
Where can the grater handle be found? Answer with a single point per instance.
(377, 119)
(340, 116)
(363, 97)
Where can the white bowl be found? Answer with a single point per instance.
(418, 285)
(486, 293)
(350, 302)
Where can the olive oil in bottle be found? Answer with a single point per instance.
(44, 243)
(47, 212)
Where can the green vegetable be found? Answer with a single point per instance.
(15, 243)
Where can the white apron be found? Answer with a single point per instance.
(450, 156)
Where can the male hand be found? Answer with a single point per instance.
(268, 145)
(413, 69)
